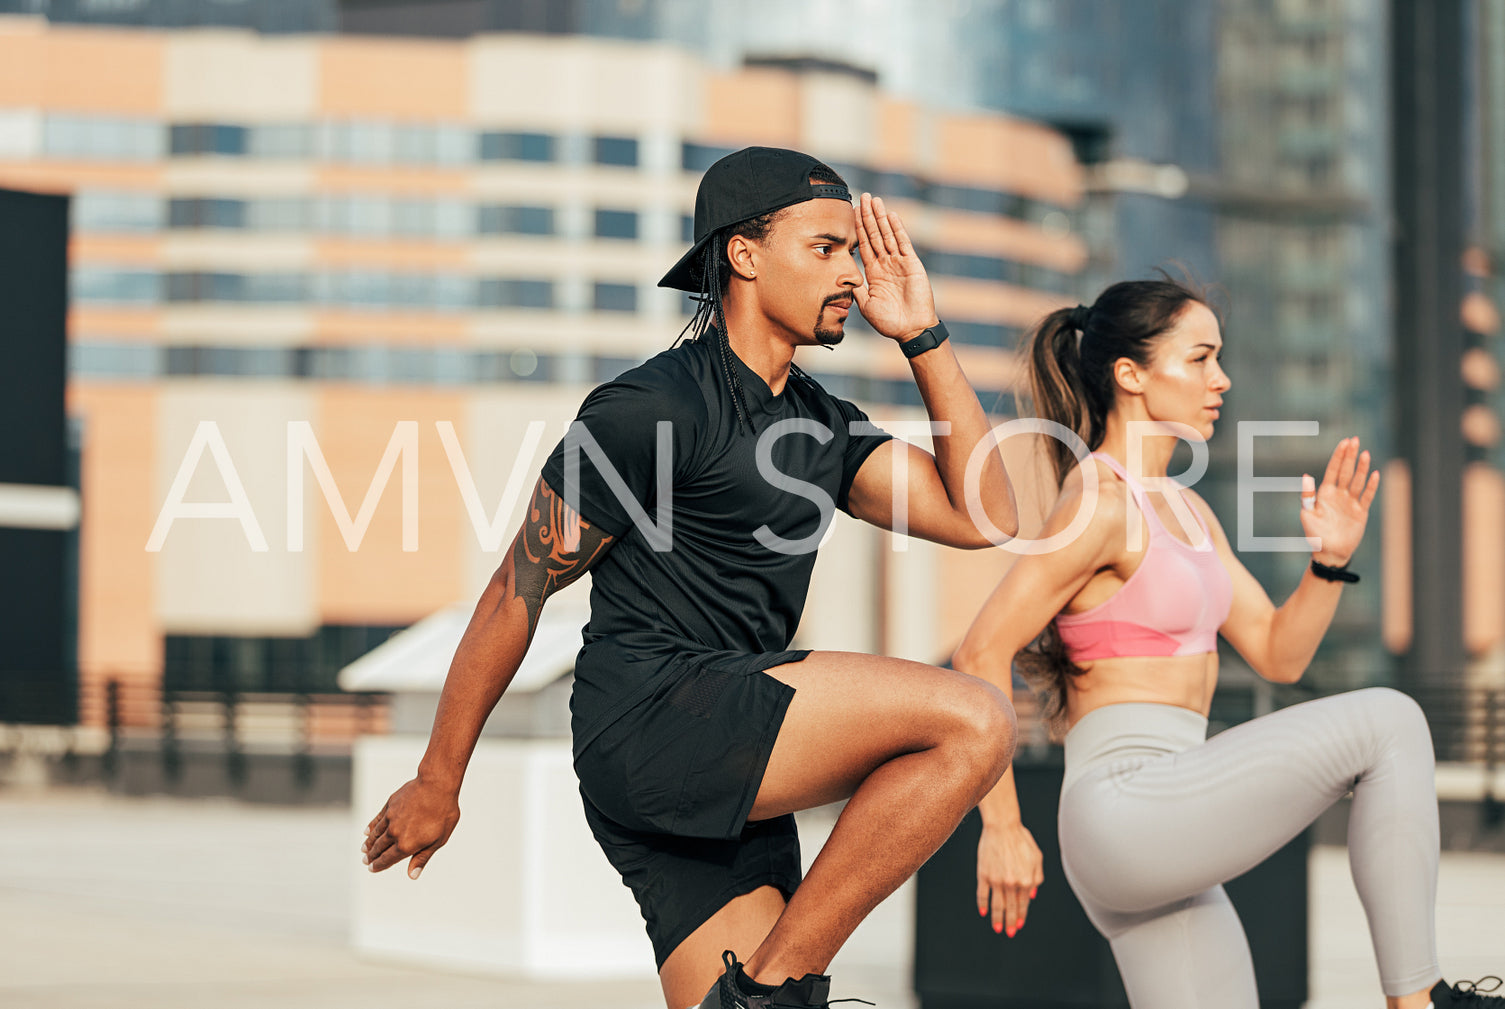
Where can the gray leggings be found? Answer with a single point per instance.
(1155, 817)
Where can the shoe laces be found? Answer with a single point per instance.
(729, 961)
(1469, 993)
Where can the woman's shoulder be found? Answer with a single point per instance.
(1094, 477)
(1092, 486)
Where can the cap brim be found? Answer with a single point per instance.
(685, 274)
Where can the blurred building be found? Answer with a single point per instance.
(1483, 356)
(1303, 203)
(273, 16)
(1249, 140)
(1132, 83)
(320, 251)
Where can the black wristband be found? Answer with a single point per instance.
(928, 340)
(1328, 574)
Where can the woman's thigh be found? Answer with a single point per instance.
(1142, 835)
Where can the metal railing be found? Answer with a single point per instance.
(230, 725)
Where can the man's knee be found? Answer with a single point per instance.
(984, 724)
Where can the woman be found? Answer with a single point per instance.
(1154, 817)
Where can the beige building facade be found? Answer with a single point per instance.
(295, 257)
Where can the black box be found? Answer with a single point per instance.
(1059, 960)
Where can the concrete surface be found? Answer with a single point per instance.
(130, 903)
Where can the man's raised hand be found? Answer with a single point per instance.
(895, 296)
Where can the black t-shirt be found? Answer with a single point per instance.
(726, 566)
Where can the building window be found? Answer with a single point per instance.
(1041, 278)
(116, 212)
(264, 288)
(607, 368)
(355, 215)
(897, 186)
(982, 334)
(453, 219)
(510, 220)
(699, 157)
(281, 141)
(956, 264)
(615, 151)
(280, 214)
(360, 143)
(515, 293)
(206, 213)
(413, 218)
(858, 179)
(415, 145)
(982, 201)
(106, 139)
(497, 146)
(616, 224)
(208, 138)
(91, 285)
(193, 287)
(114, 360)
(615, 298)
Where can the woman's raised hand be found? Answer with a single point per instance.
(1336, 512)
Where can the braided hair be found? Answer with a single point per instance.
(709, 319)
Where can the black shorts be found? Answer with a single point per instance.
(668, 788)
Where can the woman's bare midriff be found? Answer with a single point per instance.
(1186, 681)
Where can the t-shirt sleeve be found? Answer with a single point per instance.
(611, 464)
(863, 437)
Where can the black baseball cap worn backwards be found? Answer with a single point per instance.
(746, 184)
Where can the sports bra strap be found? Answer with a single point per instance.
(1153, 517)
(1135, 488)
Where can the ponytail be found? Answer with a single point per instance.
(1069, 359)
(1057, 389)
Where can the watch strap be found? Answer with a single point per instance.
(1332, 574)
(930, 339)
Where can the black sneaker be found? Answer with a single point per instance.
(1467, 994)
(810, 992)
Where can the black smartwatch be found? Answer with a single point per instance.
(928, 340)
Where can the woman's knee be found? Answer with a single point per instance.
(1393, 708)
(1396, 718)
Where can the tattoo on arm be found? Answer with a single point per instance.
(555, 547)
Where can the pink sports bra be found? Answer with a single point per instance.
(1173, 603)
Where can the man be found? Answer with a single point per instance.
(696, 488)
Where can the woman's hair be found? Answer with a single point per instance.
(1069, 362)
(709, 320)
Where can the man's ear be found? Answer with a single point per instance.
(739, 252)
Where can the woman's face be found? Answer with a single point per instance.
(1185, 383)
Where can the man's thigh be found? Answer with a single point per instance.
(851, 713)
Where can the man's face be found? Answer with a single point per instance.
(806, 270)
